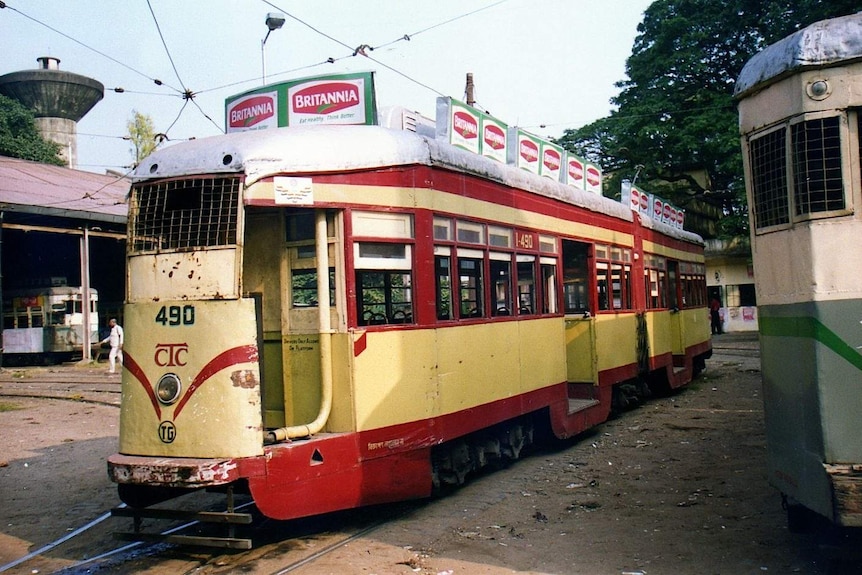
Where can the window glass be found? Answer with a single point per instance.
(501, 276)
(443, 284)
(526, 285)
(384, 297)
(549, 287)
(499, 237)
(471, 233)
(304, 287)
(768, 161)
(817, 181)
(442, 229)
(470, 287)
(575, 277)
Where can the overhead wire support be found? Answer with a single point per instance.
(99, 52)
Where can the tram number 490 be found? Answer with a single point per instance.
(176, 315)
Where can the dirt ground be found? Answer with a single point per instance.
(676, 486)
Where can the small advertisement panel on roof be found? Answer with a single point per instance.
(652, 206)
(466, 127)
(317, 100)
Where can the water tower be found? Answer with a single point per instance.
(58, 100)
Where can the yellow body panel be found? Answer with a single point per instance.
(439, 371)
(210, 273)
(616, 340)
(580, 344)
(220, 415)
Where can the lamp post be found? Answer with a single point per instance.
(274, 21)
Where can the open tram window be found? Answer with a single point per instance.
(526, 285)
(655, 282)
(384, 297)
(549, 285)
(443, 284)
(501, 276)
(384, 290)
(470, 285)
(384, 268)
(576, 276)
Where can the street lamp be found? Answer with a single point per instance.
(274, 21)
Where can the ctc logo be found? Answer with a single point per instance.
(171, 354)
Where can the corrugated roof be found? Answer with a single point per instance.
(31, 187)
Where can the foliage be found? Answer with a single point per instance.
(142, 134)
(19, 137)
(675, 122)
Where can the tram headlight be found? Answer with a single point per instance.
(169, 388)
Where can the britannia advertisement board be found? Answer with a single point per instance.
(652, 206)
(318, 100)
(466, 127)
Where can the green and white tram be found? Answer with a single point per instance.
(800, 109)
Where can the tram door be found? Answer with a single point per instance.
(580, 325)
(674, 302)
(261, 279)
(300, 320)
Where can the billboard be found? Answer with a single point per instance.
(317, 100)
(471, 129)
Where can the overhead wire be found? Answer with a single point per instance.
(363, 49)
(188, 95)
(88, 47)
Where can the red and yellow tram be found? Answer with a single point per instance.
(331, 317)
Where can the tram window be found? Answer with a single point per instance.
(443, 281)
(501, 276)
(443, 229)
(471, 233)
(499, 237)
(303, 286)
(769, 179)
(470, 287)
(613, 278)
(575, 277)
(817, 181)
(300, 225)
(526, 285)
(549, 287)
(603, 280)
(384, 297)
(673, 285)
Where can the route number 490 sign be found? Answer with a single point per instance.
(176, 315)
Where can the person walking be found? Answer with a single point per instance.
(115, 338)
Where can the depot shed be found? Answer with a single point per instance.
(62, 226)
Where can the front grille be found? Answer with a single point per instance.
(184, 214)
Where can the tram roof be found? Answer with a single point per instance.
(821, 44)
(328, 149)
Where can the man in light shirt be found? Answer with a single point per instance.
(116, 340)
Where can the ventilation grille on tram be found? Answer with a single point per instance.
(184, 214)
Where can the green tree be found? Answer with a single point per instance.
(675, 122)
(19, 137)
(142, 134)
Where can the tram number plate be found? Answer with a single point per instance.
(176, 315)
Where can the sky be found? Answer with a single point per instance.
(543, 65)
